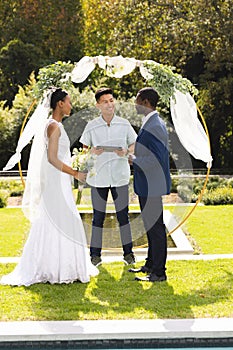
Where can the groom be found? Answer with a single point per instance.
(152, 180)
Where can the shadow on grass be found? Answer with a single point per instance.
(128, 298)
(114, 294)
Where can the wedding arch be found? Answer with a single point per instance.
(174, 91)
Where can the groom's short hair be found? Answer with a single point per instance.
(150, 94)
(103, 91)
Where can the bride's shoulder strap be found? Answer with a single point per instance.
(49, 123)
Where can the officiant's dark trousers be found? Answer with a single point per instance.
(152, 216)
(99, 196)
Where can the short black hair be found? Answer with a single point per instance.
(57, 95)
(103, 91)
(150, 94)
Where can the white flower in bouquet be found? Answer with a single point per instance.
(83, 160)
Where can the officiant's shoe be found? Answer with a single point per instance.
(129, 259)
(152, 278)
(96, 260)
(143, 269)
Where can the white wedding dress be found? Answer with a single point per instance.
(56, 249)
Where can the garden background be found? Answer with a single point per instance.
(181, 34)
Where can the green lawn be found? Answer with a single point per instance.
(13, 232)
(210, 227)
(194, 289)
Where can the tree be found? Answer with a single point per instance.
(11, 120)
(181, 34)
(47, 30)
(17, 60)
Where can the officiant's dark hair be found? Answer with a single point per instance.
(150, 94)
(103, 91)
(57, 95)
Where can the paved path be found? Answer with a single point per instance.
(184, 333)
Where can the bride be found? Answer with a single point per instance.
(56, 248)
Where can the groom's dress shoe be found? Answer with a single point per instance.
(143, 269)
(152, 278)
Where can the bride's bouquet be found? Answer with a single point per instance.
(83, 160)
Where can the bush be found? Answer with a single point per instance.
(189, 189)
(212, 183)
(174, 184)
(4, 194)
(218, 196)
(185, 192)
(13, 187)
(230, 182)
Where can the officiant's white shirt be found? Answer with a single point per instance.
(110, 169)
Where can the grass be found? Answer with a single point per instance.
(194, 289)
(13, 233)
(212, 228)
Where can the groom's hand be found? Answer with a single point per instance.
(131, 158)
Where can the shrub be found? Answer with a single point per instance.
(184, 192)
(4, 194)
(5, 184)
(174, 184)
(230, 182)
(14, 187)
(189, 189)
(212, 183)
(218, 196)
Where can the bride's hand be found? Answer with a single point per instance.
(81, 176)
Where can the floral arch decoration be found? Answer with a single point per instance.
(174, 91)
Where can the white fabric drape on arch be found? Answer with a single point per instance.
(188, 127)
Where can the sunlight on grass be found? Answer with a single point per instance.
(92, 298)
(212, 228)
(13, 232)
(209, 227)
(194, 289)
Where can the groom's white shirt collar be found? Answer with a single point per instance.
(147, 117)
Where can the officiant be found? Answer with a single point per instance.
(111, 139)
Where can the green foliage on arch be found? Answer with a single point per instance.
(56, 74)
(166, 82)
(164, 79)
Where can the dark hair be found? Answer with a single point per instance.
(103, 91)
(57, 95)
(150, 94)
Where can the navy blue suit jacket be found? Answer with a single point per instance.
(151, 165)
